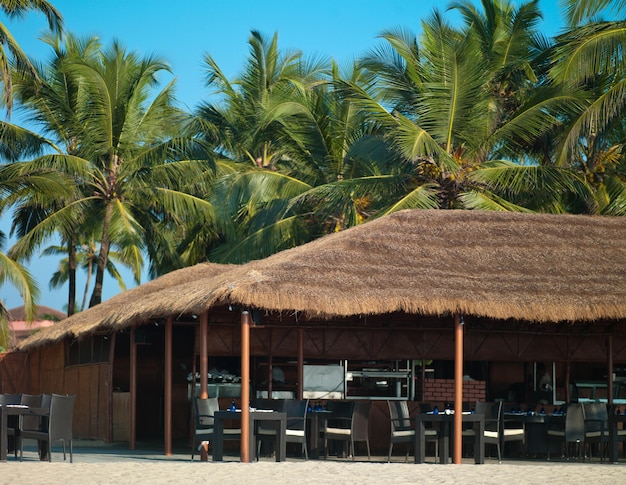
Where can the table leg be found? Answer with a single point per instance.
(420, 442)
(479, 444)
(252, 440)
(218, 439)
(444, 443)
(613, 441)
(3, 435)
(281, 445)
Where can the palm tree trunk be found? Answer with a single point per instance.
(103, 256)
(71, 255)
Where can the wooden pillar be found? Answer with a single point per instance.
(300, 362)
(133, 391)
(111, 365)
(245, 386)
(204, 355)
(609, 367)
(458, 388)
(167, 411)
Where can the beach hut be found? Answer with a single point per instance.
(418, 284)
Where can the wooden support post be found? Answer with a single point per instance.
(133, 391)
(245, 386)
(167, 411)
(204, 355)
(609, 367)
(458, 389)
(300, 362)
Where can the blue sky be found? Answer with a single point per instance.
(341, 29)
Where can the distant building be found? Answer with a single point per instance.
(19, 328)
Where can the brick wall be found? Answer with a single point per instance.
(439, 391)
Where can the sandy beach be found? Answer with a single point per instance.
(115, 466)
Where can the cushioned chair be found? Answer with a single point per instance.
(596, 427)
(403, 428)
(350, 423)
(571, 431)
(59, 426)
(511, 429)
(493, 423)
(295, 432)
(203, 410)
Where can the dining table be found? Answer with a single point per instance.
(19, 410)
(445, 423)
(268, 417)
(536, 425)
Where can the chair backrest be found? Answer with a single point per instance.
(10, 398)
(575, 423)
(597, 412)
(204, 408)
(399, 414)
(46, 400)
(33, 401)
(61, 417)
(361, 419)
(340, 409)
(273, 404)
(296, 410)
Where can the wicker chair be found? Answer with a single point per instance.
(350, 423)
(59, 426)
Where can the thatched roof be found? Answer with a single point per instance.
(534, 267)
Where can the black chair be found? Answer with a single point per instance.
(571, 431)
(403, 428)
(493, 424)
(59, 426)
(32, 423)
(295, 432)
(12, 421)
(350, 423)
(596, 427)
(203, 410)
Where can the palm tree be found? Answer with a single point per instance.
(589, 57)
(579, 11)
(462, 105)
(117, 142)
(304, 161)
(17, 9)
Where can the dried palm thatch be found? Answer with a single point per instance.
(533, 267)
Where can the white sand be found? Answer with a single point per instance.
(154, 469)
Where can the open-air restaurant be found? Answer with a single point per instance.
(424, 336)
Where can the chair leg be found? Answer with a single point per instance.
(369, 457)
(390, 449)
(306, 451)
(71, 452)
